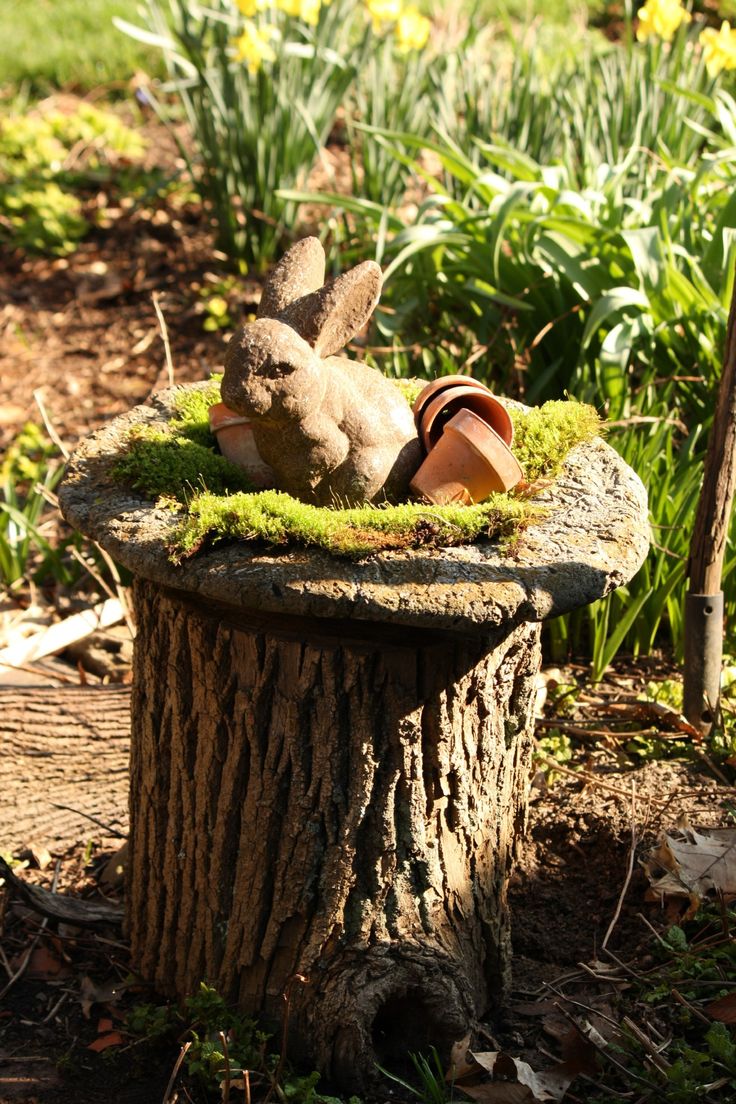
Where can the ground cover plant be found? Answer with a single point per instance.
(47, 157)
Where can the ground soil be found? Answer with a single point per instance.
(82, 332)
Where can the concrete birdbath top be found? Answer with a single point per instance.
(593, 538)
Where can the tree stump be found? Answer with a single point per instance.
(330, 760)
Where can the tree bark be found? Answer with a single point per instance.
(327, 810)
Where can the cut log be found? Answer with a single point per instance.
(359, 798)
(62, 746)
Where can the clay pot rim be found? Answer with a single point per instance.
(434, 387)
(430, 413)
(221, 416)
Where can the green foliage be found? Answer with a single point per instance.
(432, 1087)
(180, 462)
(44, 158)
(30, 467)
(579, 236)
(51, 44)
(258, 123)
(223, 1045)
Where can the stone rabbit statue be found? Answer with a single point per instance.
(334, 431)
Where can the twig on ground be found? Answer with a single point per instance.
(647, 1044)
(165, 338)
(50, 1015)
(629, 869)
(690, 1007)
(88, 816)
(606, 1053)
(589, 776)
(49, 425)
(226, 1056)
(175, 1071)
(34, 942)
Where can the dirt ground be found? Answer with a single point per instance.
(82, 332)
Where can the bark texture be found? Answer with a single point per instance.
(331, 816)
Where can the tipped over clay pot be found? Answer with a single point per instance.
(444, 406)
(436, 387)
(234, 435)
(469, 462)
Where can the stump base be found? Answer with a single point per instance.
(342, 809)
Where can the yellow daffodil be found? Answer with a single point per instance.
(660, 19)
(719, 48)
(306, 10)
(383, 11)
(253, 46)
(249, 8)
(412, 31)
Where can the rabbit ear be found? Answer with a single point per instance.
(328, 318)
(300, 271)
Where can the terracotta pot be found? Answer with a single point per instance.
(433, 389)
(469, 462)
(234, 435)
(443, 407)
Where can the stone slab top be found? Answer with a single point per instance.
(593, 538)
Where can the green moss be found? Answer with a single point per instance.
(279, 519)
(543, 435)
(182, 462)
(158, 463)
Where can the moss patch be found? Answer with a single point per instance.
(280, 519)
(182, 462)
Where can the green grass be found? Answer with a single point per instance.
(49, 44)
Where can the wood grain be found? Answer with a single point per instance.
(64, 745)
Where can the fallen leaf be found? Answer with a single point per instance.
(512, 1080)
(113, 1038)
(104, 1025)
(45, 965)
(723, 1009)
(689, 863)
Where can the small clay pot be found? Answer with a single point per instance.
(468, 463)
(234, 435)
(433, 389)
(443, 407)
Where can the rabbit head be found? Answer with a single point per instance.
(273, 365)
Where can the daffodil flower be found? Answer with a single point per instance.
(412, 31)
(254, 46)
(306, 10)
(249, 8)
(719, 48)
(383, 12)
(661, 19)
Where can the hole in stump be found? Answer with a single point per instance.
(403, 1025)
(706, 716)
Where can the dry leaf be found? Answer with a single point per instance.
(512, 1081)
(723, 1009)
(691, 863)
(43, 965)
(111, 1039)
